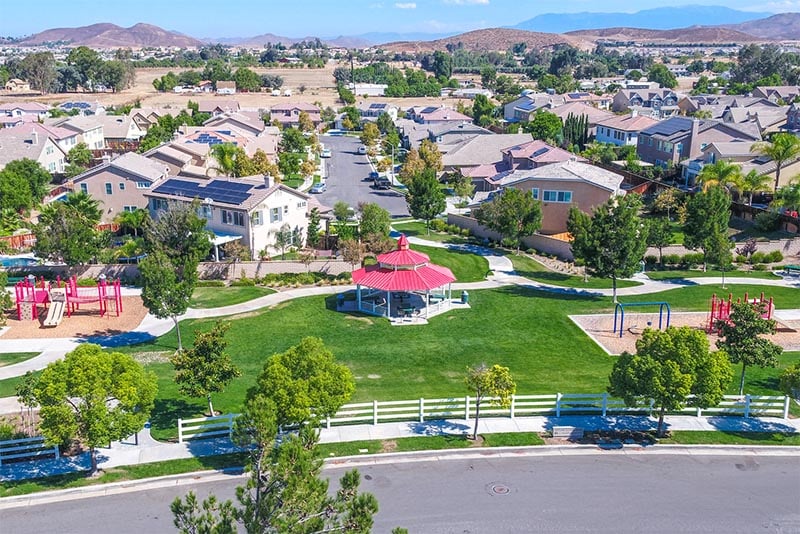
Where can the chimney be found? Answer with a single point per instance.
(34, 138)
(268, 181)
(634, 113)
(694, 142)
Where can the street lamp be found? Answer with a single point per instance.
(399, 151)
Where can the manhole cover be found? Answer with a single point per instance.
(497, 488)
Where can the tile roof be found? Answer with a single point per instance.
(115, 126)
(628, 123)
(27, 107)
(482, 149)
(540, 152)
(579, 108)
(46, 130)
(568, 171)
(291, 106)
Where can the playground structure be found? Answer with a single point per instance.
(619, 310)
(65, 296)
(721, 309)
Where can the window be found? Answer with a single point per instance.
(51, 166)
(286, 210)
(84, 188)
(48, 150)
(535, 193)
(158, 204)
(557, 196)
(129, 208)
(255, 218)
(275, 215)
(122, 186)
(109, 188)
(235, 218)
(142, 185)
(204, 211)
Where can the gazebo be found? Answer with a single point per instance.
(403, 284)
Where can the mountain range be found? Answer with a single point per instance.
(683, 24)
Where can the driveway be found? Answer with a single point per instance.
(348, 172)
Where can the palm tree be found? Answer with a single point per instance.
(10, 221)
(784, 148)
(789, 195)
(753, 182)
(226, 155)
(722, 173)
(85, 206)
(132, 220)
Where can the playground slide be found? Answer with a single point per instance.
(55, 314)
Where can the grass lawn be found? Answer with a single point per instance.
(10, 358)
(417, 229)
(466, 267)
(8, 387)
(526, 330)
(706, 437)
(217, 297)
(530, 268)
(669, 275)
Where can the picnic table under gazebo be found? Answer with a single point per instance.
(403, 285)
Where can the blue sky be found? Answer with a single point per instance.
(324, 18)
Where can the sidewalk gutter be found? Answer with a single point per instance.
(350, 462)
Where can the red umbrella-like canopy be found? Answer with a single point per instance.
(403, 270)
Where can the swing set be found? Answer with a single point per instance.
(619, 311)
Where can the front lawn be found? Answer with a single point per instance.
(524, 329)
(529, 268)
(466, 267)
(417, 229)
(10, 358)
(217, 297)
(696, 273)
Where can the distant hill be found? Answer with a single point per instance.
(661, 18)
(693, 34)
(492, 39)
(378, 38)
(784, 26)
(259, 40)
(106, 35)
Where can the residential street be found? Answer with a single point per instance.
(347, 178)
(603, 492)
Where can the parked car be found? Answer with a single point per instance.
(326, 153)
(383, 183)
(318, 187)
(373, 176)
(362, 149)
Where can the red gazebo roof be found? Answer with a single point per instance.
(403, 270)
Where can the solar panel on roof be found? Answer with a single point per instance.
(540, 152)
(429, 109)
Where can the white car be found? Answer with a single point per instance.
(362, 149)
(326, 153)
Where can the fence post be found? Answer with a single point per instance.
(328, 422)
(421, 410)
(513, 402)
(747, 405)
(231, 418)
(558, 404)
(605, 403)
(180, 430)
(786, 402)
(374, 412)
(466, 408)
(699, 412)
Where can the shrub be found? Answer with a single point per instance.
(651, 259)
(86, 282)
(767, 221)
(758, 257)
(243, 282)
(672, 259)
(741, 258)
(453, 229)
(210, 283)
(465, 232)
(692, 259)
(438, 225)
(774, 257)
(759, 267)
(344, 276)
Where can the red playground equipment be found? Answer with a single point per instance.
(30, 294)
(721, 309)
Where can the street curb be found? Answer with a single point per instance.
(349, 462)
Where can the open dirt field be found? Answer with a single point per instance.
(85, 322)
(599, 328)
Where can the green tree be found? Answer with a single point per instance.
(164, 293)
(205, 368)
(132, 220)
(352, 250)
(95, 397)
(87, 62)
(668, 366)
(304, 122)
(79, 157)
(493, 383)
(226, 156)
(613, 241)
(545, 126)
(442, 66)
(430, 155)
(304, 383)
(488, 77)
(742, 338)
(385, 123)
(370, 134)
(424, 197)
(462, 185)
(64, 235)
(374, 219)
(37, 178)
(707, 214)
(753, 182)
(412, 166)
(482, 110)
(283, 238)
(789, 381)
(84, 206)
(719, 252)
(514, 214)
(15, 192)
(40, 70)
(166, 83)
(247, 81)
(292, 140)
(784, 149)
(312, 238)
(660, 74)
(721, 173)
(659, 235)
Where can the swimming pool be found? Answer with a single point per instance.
(18, 261)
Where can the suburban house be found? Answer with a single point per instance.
(435, 115)
(215, 107)
(534, 154)
(80, 107)
(368, 89)
(680, 138)
(174, 159)
(288, 115)
(713, 106)
(89, 130)
(240, 122)
(120, 184)
(469, 92)
(598, 101)
(16, 145)
(18, 109)
(741, 153)
(520, 109)
(481, 157)
(226, 87)
(146, 117)
(370, 111)
(448, 136)
(622, 130)
(63, 137)
(9, 121)
(761, 119)
(15, 85)
(793, 118)
(576, 109)
(658, 103)
(119, 130)
(563, 185)
(251, 210)
(774, 93)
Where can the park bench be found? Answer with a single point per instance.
(567, 432)
(27, 448)
(791, 269)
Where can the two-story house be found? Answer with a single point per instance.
(576, 109)
(622, 130)
(120, 184)
(658, 103)
(370, 111)
(251, 210)
(64, 138)
(89, 130)
(521, 108)
(17, 145)
(119, 130)
(436, 115)
(288, 115)
(18, 109)
(217, 107)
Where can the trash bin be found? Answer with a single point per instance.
(464, 297)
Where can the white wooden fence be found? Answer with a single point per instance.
(206, 427)
(25, 448)
(557, 404)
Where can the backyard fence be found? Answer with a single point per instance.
(28, 448)
(558, 404)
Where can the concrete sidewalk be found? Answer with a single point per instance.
(149, 450)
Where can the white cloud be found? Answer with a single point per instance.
(405, 5)
(466, 2)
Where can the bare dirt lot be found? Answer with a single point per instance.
(85, 322)
(600, 329)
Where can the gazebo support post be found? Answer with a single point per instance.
(358, 296)
(389, 305)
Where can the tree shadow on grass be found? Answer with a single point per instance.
(567, 293)
(439, 427)
(166, 412)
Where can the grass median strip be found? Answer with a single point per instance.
(710, 437)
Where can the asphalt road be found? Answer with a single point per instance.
(595, 493)
(347, 178)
